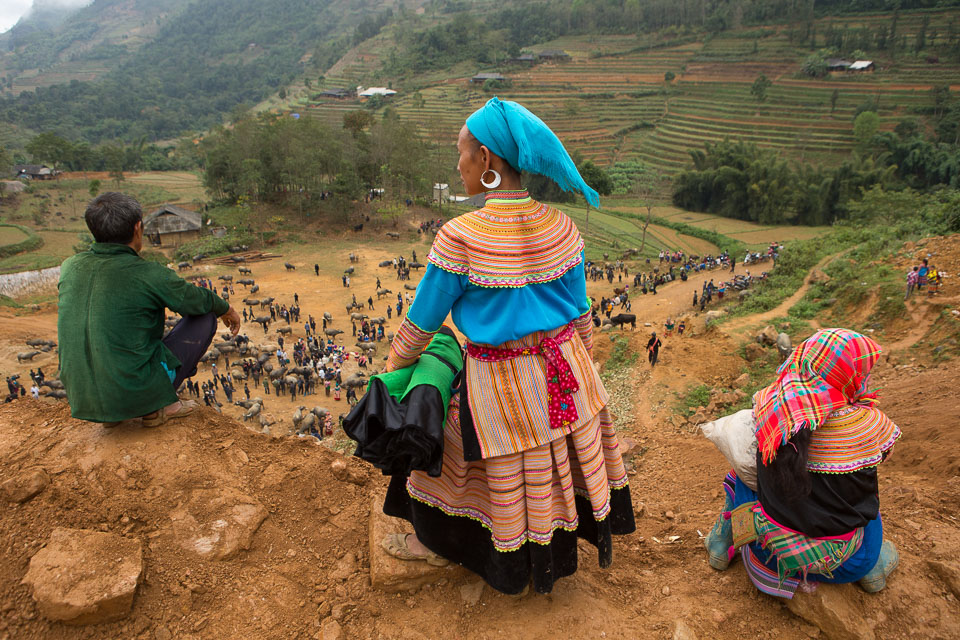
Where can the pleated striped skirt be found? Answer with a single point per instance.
(514, 517)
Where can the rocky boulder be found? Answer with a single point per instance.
(85, 577)
(836, 610)
(754, 351)
(217, 523)
(767, 337)
(26, 485)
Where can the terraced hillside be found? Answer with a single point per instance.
(611, 102)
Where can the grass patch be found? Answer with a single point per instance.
(7, 301)
(694, 398)
(622, 355)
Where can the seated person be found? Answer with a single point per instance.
(115, 363)
(815, 516)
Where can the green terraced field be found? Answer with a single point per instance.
(611, 103)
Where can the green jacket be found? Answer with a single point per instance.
(110, 323)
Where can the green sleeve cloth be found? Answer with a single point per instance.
(444, 359)
(112, 304)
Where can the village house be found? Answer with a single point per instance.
(862, 65)
(337, 93)
(375, 91)
(528, 59)
(553, 55)
(838, 64)
(172, 226)
(483, 77)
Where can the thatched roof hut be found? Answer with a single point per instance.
(172, 226)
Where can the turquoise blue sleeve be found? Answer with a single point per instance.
(576, 282)
(436, 293)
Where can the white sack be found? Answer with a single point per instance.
(734, 436)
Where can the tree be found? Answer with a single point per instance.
(759, 88)
(865, 127)
(356, 121)
(645, 187)
(669, 76)
(282, 94)
(49, 147)
(833, 100)
(94, 188)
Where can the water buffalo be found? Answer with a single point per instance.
(199, 257)
(252, 302)
(246, 282)
(349, 271)
(262, 319)
(354, 381)
(26, 355)
(393, 234)
(358, 227)
(237, 259)
(59, 394)
(385, 263)
(285, 330)
(308, 422)
(416, 265)
(184, 265)
(298, 416)
(37, 342)
(333, 333)
(359, 317)
(225, 278)
(53, 384)
(326, 316)
(784, 347)
(354, 257)
(245, 270)
(289, 266)
(320, 412)
(266, 302)
(354, 305)
(255, 288)
(410, 287)
(226, 348)
(383, 292)
(210, 356)
(378, 320)
(624, 318)
(252, 412)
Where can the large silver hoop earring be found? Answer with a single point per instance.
(493, 184)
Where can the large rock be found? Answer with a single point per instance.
(682, 631)
(742, 381)
(85, 577)
(949, 573)
(836, 610)
(753, 351)
(217, 523)
(26, 485)
(768, 336)
(390, 574)
(817, 276)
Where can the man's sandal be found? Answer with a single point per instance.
(161, 416)
(395, 544)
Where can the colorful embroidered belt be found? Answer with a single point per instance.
(561, 383)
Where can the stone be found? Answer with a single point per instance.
(682, 631)
(665, 591)
(628, 446)
(768, 336)
(470, 593)
(391, 574)
(817, 276)
(217, 524)
(754, 351)
(347, 473)
(26, 485)
(742, 381)
(330, 629)
(85, 577)
(346, 567)
(714, 314)
(835, 609)
(949, 573)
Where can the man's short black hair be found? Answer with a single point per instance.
(112, 217)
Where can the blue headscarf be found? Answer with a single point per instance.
(512, 132)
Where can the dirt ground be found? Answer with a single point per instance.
(309, 560)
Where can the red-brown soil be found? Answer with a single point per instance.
(309, 560)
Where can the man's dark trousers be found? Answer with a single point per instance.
(189, 340)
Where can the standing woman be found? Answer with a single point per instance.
(531, 460)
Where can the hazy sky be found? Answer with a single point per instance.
(12, 10)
